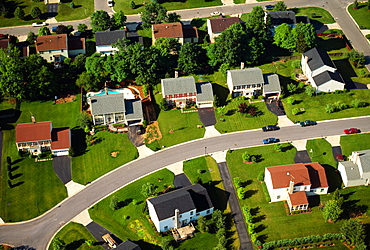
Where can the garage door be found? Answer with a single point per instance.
(205, 105)
(60, 153)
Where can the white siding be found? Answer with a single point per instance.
(106, 49)
(153, 215)
(330, 86)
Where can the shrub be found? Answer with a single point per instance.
(237, 182)
(246, 156)
(329, 108)
(290, 100)
(261, 176)
(71, 5)
(295, 111)
(241, 193)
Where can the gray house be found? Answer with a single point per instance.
(356, 171)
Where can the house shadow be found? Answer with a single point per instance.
(250, 193)
(333, 177)
(146, 245)
(345, 69)
(8, 116)
(221, 92)
(330, 44)
(218, 196)
(314, 200)
(78, 141)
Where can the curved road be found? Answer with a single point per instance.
(36, 234)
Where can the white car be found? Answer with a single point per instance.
(110, 3)
(216, 13)
(39, 24)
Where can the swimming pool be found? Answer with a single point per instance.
(127, 93)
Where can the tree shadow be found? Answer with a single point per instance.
(246, 183)
(11, 185)
(250, 193)
(124, 203)
(287, 148)
(259, 158)
(260, 228)
(255, 211)
(262, 238)
(259, 218)
(74, 244)
(330, 43)
(12, 177)
(146, 245)
(197, 22)
(230, 112)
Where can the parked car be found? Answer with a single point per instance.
(39, 24)
(54, 29)
(110, 3)
(270, 128)
(138, 130)
(270, 140)
(269, 7)
(217, 13)
(308, 123)
(339, 158)
(351, 131)
(110, 241)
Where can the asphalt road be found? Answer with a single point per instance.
(37, 233)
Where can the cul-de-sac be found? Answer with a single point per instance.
(184, 124)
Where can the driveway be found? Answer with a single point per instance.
(52, 9)
(62, 167)
(98, 231)
(207, 116)
(136, 140)
(276, 107)
(103, 5)
(181, 180)
(337, 150)
(302, 157)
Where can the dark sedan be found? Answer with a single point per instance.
(270, 140)
(270, 128)
(308, 123)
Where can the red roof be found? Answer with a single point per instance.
(221, 23)
(167, 30)
(282, 175)
(298, 198)
(60, 138)
(29, 132)
(51, 42)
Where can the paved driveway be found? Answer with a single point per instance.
(62, 167)
(98, 231)
(207, 116)
(302, 157)
(52, 9)
(136, 140)
(275, 107)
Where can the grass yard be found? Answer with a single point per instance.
(357, 142)
(75, 236)
(83, 9)
(314, 107)
(361, 15)
(137, 227)
(350, 72)
(239, 1)
(124, 5)
(235, 121)
(97, 159)
(316, 14)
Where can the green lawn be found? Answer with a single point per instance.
(235, 121)
(75, 236)
(137, 227)
(82, 10)
(314, 107)
(361, 15)
(239, 1)
(315, 14)
(357, 142)
(200, 241)
(169, 5)
(97, 159)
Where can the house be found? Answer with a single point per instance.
(217, 25)
(293, 182)
(113, 107)
(184, 34)
(321, 71)
(105, 40)
(183, 90)
(277, 18)
(6, 40)
(356, 171)
(38, 137)
(55, 48)
(180, 207)
(251, 81)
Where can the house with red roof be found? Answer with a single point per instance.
(217, 25)
(38, 137)
(295, 182)
(184, 33)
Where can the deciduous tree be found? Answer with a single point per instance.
(118, 20)
(285, 37)
(354, 230)
(191, 58)
(31, 38)
(256, 25)
(82, 27)
(87, 81)
(153, 13)
(35, 12)
(61, 29)
(100, 21)
(19, 13)
(113, 203)
(44, 31)
(148, 189)
(132, 5)
(280, 6)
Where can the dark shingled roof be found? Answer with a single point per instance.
(326, 76)
(183, 199)
(280, 17)
(318, 58)
(76, 43)
(128, 245)
(190, 32)
(109, 37)
(221, 23)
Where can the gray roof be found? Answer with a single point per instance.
(318, 58)
(365, 160)
(134, 109)
(272, 84)
(180, 85)
(109, 37)
(132, 26)
(326, 76)
(279, 17)
(184, 199)
(128, 245)
(107, 104)
(204, 91)
(246, 76)
(352, 171)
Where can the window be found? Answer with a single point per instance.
(197, 214)
(185, 95)
(258, 85)
(62, 51)
(208, 211)
(170, 96)
(191, 218)
(322, 190)
(278, 197)
(166, 228)
(191, 212)
(248, 86)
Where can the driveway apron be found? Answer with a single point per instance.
(62, 167)
(276, 107)
(136, 140)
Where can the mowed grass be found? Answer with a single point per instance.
(124, 5)
(75, 236)
(350, 143)
(361, 15)
(235, 121)
(97, 160)
(137, 227)
(83, 9)
(316, 14)
(314, 107)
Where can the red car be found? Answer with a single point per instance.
(351, 131)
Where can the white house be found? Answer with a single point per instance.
(321, 71)
(356, 171)
(251, 81)
(38, 137)
(180, 207)
(105, 40)
(184, 90)
(290, 182)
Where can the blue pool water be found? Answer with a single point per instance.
(110, 92)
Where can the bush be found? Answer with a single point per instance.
(246, 156)
(241, 193)
(261, 176)
(237, 182)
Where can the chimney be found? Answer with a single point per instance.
(291, 187)
(176, 74)
(33, 119)
(242, 65)
(177, 222)
(355, 156)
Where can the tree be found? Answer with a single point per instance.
(58, 244)
(355, 5)
(84, 120)
(132, 5)
(202, 225)
(113, 203)
(354, 230)
(332, 210)
(292, 88)
(89, 243)
(309, 34)
(82, 27)
(31, 38)
(121, 44)
(44, 31)
(100, 21)
(71, 5)
(329, 108)
(166, 244)
(222, 110)
(61, 29)
(356, 57)
(243, 107)
(218, 219)
(285, 37)
(295, 111)
(256, 25)
(173, 17)
(12, 68)
(148, 189)
(168, 49)
(290, 100)
(87, 81)
(237, 182)
(19, 13)
(355, 103)
(35, 12)
(4, 11)
(310, 90)
(280, 6)
(301, 46)
(240, 191)
(163, 105)
(118, 20)
(368, 4)
(191, 58)
(153, 13)
(246, 156)
(278, 147)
